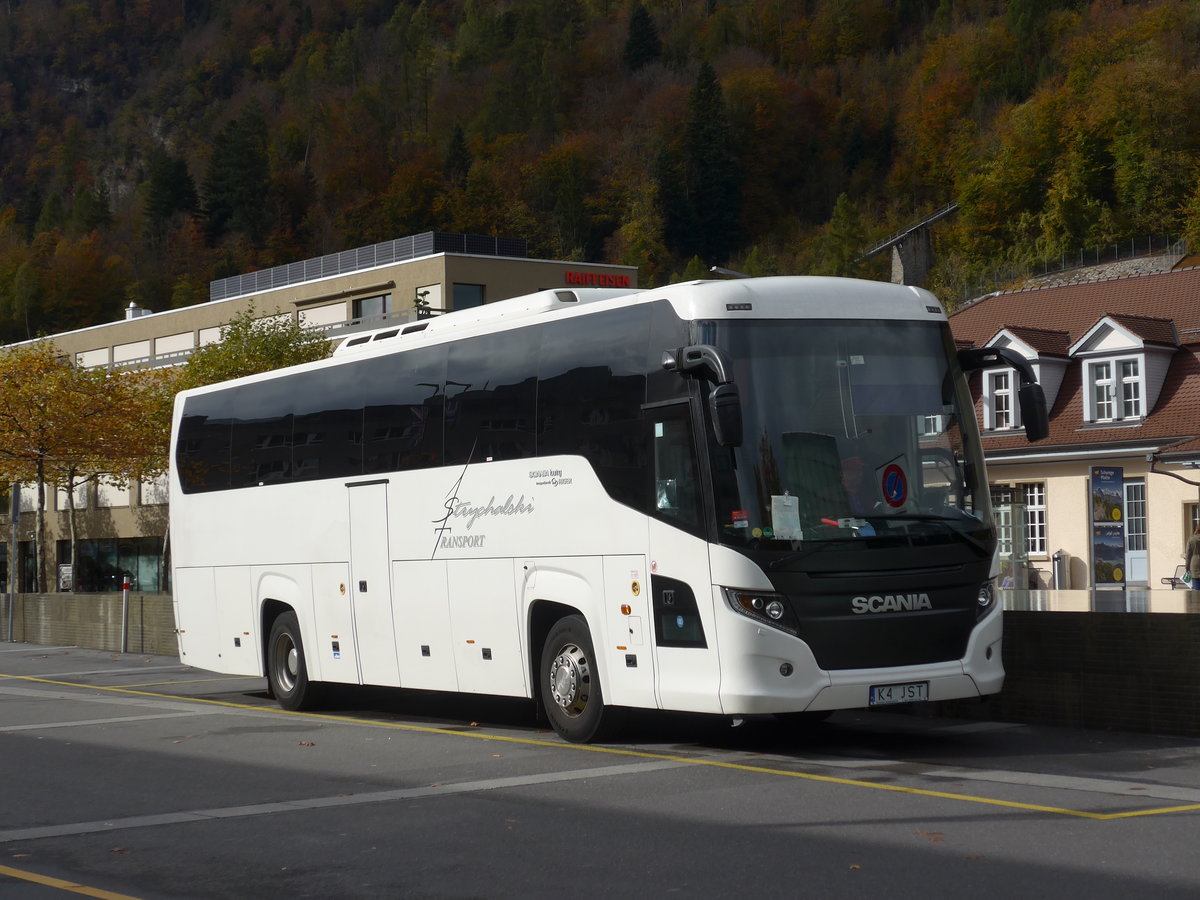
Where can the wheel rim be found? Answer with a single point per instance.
(287, 662)
(570, 680)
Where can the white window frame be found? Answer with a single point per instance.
(1002, 414)
(1114, 393)
(1135, 514)
(1035, 518)
(1131, 389)
(931, 426)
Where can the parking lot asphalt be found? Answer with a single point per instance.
(136, 776)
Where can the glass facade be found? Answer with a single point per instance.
(103, 562)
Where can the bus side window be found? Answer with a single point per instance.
(676, 493)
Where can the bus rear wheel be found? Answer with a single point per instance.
(287, 673)
(570, 683)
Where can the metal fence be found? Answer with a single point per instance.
(360, 258)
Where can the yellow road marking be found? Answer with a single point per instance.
(63, 885)
(196, 681)
(639, 754)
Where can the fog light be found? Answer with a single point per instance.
(786, 669)
(775, 610)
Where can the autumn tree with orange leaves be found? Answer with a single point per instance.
(66, 425)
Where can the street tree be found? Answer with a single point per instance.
(64, 424)
(128, 433)
(251, 344)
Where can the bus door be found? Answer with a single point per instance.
(370, 584)
(680, 584)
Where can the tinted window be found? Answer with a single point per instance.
(327, 424)
(491, 391)
(202, 449)
(404, 398)
(261, 433)
(591, 387)
(667, 332)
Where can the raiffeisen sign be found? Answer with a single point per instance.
(597, 279)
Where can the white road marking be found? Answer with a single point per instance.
(264, 809)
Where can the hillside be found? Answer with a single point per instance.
(150, 146)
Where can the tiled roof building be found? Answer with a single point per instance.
(1120, 364)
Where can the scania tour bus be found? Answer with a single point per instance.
(735, 497)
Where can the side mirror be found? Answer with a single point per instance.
(725, 407)
(724, 401)
(1030, 397)
(1032, 401)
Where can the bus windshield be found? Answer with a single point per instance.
(853, 430)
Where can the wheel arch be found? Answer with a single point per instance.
(269, 610)
(542, 616)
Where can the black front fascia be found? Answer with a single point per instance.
(867, 607)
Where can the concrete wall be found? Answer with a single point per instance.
(93, 620)
(1111, 671)
(1123, 671)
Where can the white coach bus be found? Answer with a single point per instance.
(732, 497)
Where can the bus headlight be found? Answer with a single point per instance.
(765, 607)
(987, 599)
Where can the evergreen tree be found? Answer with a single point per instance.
(712, 182)
(678, 217)
(458, 157)
(642, 46)
(169, 189)
(237, 182)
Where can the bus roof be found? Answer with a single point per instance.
(771, 297)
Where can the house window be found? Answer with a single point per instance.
(1002, 510)
(468, 295)
(1102, 392)
(1131, 390)
(373, 307)
(1115, 390)
(1000, 384)
(1034, 497)
(1135, 515)
(1035, 518)
(931, 426)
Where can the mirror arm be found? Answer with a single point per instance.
(705, 358)
(974, 358)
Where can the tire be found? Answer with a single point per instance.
(287, 673)
(570, 683)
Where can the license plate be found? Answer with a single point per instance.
(883, 694)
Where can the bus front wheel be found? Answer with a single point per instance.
(570, 684)
(286, 670)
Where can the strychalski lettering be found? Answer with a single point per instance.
(883, 603)
(464, 509)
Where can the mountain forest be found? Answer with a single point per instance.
(149, 146)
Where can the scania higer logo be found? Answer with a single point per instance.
(884, 603)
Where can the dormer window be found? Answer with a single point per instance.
(1001, 412)
(1114, 389)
